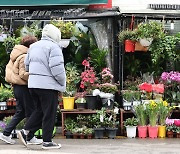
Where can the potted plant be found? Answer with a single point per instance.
(152, 110)
(140, 112)
(164, 111)
(107, 89)
(111, 124)
(67, 29)
(129, 38)
(5, 94)
(172, 89)
(131, 124)
(80, 103)
(70, 124)
(72, 79)
(99, 123)
(88, 84)
(89, 132)
(148, 31)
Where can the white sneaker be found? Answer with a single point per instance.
(35, 141)
(6, 139)
(51, 145)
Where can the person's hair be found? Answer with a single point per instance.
(28, 40)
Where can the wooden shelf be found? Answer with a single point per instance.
(75, 111)
(7, 111)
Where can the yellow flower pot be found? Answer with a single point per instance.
(68, 103)
(161, 131)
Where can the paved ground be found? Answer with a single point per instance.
(100, 146)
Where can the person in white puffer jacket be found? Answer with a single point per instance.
(45, 64)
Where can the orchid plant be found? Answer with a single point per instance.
(171, 81)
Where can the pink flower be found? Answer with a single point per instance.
(158, 88)
(85, 63)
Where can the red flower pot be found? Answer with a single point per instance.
(129, 46)
(153, 131)
(142, 131)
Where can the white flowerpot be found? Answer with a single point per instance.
(3, 37)
(64, 43)
(146, 41)
(131, 131)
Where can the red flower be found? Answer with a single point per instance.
(146, 86)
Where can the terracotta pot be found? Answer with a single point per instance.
(170, 134)
(178, 135)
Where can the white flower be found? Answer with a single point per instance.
(116, 110)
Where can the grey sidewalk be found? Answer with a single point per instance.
(100, 146)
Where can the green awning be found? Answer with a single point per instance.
(49, 2)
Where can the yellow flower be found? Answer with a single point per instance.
(153, 104)
(165, 103)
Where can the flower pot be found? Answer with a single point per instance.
(68, 135)
(170, 134)
(89, 136)
(178, 135)
(81, 106)
(146, 41)
(68, 103)
(153, 131)
(129, 46)
(99, 133)
(131, 131)
(92, 102)
(108, 103)
(142, 131)
(161, 131)
(64, 43)
(111, 132)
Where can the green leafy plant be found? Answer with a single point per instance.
(67, 28)
(164, 111)
(80, 100)
(127, 35)
(10, 42)
(70, 124)
(151, 29)
(98, 59)
(140, 112)
(131, 122)
(7, 120)
(72, 79)
(5, 93)
(152, 110)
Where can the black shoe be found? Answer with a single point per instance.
(51, 145)
(22, 137)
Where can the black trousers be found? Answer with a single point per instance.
(44, 115)
(24, 107)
